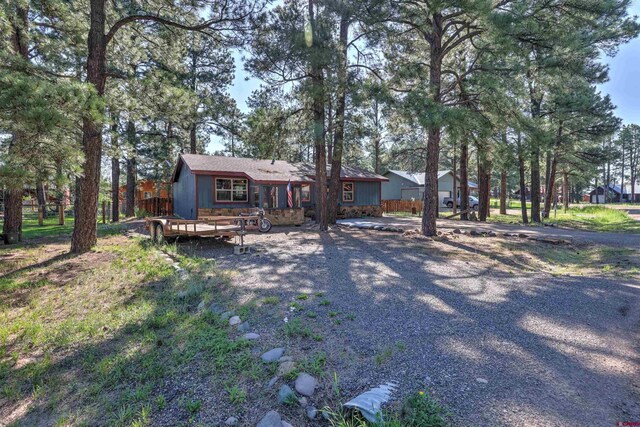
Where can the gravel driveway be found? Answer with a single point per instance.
(627, 240)
(496, 348)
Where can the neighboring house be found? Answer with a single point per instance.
(404, 185)
(146, 189)
(216, 185)
(615, 194)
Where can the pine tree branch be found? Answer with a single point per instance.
(153, 18)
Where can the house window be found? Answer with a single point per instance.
(147, 195)
(347, 192)
(232, 190)
(306, 192)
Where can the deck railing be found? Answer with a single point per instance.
(156, 206)
(402, 206)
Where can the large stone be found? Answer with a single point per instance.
(231, 421)
(285, 393)
(235, 320)
(306, 384)
(227, 315)
(216, 308)
(312, 412)
(286, 424)
(271, 419)
(286, 367)
(251, 336)
(244, 327)
(273, 355)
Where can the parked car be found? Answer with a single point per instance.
(473, 202)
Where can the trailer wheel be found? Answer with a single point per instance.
(158, 236)
(450, 205)
(152, 231)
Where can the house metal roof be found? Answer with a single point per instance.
(418, 178)
(265, 170)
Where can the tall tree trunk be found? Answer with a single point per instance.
(503, 192)
(489, 189)
(12, 221)
(115, 172)
(193, 140)
(622, 171)
(553, 165)
(534, 161)
(316, 72)
(377, 138)
(484, 182)
(130, 194)
(565, 190)
(464, 178)
(430, 205)
(454, 194)
(41, 196)
(88, 185)
(115, 189)
(338, 142)
(330, 133)
(523, 185)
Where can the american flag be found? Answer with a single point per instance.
(289, 195)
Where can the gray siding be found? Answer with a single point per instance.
(184, 195)
(392, 189)
(206, 196)
(367, 193)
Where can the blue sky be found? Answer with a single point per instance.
(623, 85)
(623, 75)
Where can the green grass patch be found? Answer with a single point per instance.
(101, 346)
(296, 328)
(32, 230)
(418, 410)
(590, 217)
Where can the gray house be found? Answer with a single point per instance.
(402, 185)
(205, 185)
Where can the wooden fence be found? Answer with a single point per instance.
(156, 206)
(402, 206)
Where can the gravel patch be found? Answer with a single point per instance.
(496, 347)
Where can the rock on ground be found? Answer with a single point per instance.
(284, 393)
(271, 419)
(306, 384)
(285, 368)
(273, 355)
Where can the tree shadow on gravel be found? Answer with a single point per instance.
(551, 349)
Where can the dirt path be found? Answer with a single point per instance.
(498, 349)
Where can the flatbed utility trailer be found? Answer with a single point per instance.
(169, 228)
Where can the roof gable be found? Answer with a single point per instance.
(264, 170)
(416, 178)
